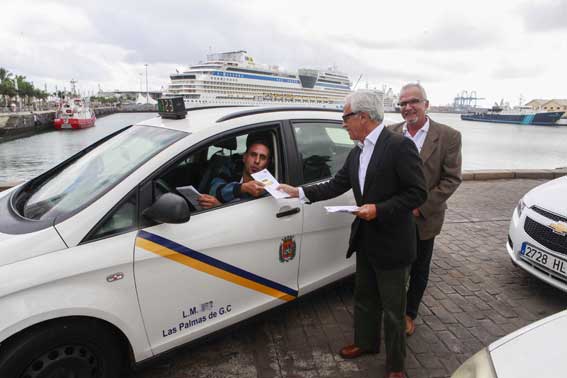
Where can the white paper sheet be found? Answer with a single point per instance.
(270, 183)
(191, 194)
(341, 209)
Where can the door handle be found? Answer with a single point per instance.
(289, 212)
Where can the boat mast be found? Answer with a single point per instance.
(73, 88)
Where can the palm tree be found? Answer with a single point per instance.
(25, 88)
(4, 74)
(12, 85)
(7, 87)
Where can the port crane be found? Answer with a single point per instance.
(465, 100)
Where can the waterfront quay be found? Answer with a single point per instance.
(475, 296)
(17, 125)
(22, 124)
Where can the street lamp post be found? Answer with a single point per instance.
(147, 91)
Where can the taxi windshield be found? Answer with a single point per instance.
(94, 173)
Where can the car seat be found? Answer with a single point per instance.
(316, 156)
(219, 165)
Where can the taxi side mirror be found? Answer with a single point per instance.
(169, 208)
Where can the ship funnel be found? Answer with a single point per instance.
(307, 77)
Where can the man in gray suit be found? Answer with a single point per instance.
(440, 150)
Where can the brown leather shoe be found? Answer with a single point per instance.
(352, 351)
(396, 374)
(410, 326)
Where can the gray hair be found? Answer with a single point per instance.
(415, 85)
(367, 101)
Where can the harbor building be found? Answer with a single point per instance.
(553, 105)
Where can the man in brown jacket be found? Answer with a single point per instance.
(440, 150)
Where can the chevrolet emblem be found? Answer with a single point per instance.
(559, 228)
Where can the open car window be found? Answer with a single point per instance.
(217, 164)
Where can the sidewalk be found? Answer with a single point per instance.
(475, 296)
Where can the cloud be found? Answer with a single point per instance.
(453, 37)
(512, 70)
(108, 42)
(168, 32)
(545, 15)
(447, 36)
(187, 32)
(364, 43)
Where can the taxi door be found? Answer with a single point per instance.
(224, 265)
(323, 147)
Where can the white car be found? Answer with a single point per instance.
(537, 350)
(100, 265)
(537, 239)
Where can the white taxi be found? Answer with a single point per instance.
(103, 263)
(537, 238)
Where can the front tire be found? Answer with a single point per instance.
(63, 349)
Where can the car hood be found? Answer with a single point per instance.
(551, 196)
(17, 247)
(537, 350)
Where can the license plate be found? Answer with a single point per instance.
(540, 257)
(66, 126)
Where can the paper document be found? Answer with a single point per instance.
(191, 194)
(270, 183)
(341, 209)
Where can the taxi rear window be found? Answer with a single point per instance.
(94, 173)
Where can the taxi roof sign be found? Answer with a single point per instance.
(172, 107)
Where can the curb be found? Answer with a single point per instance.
(482, 175)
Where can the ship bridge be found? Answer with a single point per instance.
(308, 77)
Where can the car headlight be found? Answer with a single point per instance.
(478, 366)
(520, 207)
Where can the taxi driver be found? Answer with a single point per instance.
(256, 158)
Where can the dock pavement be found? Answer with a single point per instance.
(475, 296)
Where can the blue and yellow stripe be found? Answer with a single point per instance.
(207, 264)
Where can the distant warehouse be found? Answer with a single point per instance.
(553, 105)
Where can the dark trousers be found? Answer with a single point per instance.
(380, 293)
(419, 275)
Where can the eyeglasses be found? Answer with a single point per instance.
(413, 101)
(348, 115)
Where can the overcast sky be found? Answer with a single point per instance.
(502, 49)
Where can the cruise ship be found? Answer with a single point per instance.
(233, 78)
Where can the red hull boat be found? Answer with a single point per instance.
(74, 114)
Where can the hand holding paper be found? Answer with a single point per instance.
(270, 183)
(253, 187)
(342, 209)
(191, 194)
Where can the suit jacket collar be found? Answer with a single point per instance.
(430, 143)
(424, 128)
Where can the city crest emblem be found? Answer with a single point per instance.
(287, 249)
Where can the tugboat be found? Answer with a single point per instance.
(74, 114)
(524, 116)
